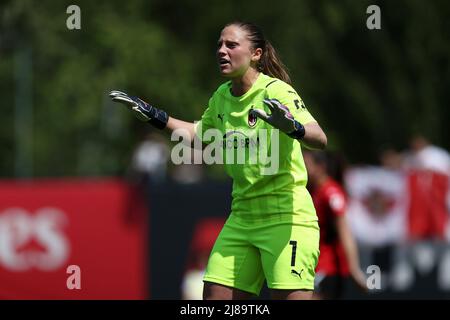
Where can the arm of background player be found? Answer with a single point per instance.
(351, 252)
(314, 137)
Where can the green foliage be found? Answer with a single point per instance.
(366, 88)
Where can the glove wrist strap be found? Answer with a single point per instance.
(299, 131)
(159, 119)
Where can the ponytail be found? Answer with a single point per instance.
(270, 63)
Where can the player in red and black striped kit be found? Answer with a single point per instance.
(338, 260)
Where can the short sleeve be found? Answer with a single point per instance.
(206, 122)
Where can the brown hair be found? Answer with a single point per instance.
(270, 63)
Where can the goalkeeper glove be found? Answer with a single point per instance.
(281, 119)
(142, 110)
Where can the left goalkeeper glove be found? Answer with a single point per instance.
(143, 110)
(281, 118)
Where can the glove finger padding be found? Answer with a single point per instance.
(121, 97)
(114, 93)
(134, 103)
(280, 118)
(130, 103)
(260, 114)
(118, 94)
(142, 110)
(278, 107)
(268, 102)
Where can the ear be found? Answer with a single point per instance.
(256, 55)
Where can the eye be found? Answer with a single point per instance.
(231, 44)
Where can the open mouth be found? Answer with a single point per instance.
(223, 61)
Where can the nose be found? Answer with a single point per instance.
(221, 51)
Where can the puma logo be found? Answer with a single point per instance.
(299, 274)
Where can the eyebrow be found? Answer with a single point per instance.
(228, 41)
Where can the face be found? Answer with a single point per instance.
(234, 52)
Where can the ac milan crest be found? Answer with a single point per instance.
(252, 118)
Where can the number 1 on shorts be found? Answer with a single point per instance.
(293, 243)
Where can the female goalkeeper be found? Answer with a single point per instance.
(272, 232)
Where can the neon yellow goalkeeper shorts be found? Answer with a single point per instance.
(283, 253)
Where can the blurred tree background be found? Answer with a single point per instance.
(367, 88)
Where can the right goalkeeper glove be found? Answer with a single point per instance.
(143, 110)
(281, 118)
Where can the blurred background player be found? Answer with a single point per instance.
(149, 160)
(205, 234)
(338, 260)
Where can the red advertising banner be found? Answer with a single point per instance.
(72, 239)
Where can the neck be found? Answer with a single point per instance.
(242, 84)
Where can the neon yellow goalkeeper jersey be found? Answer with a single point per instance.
(272, 188)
